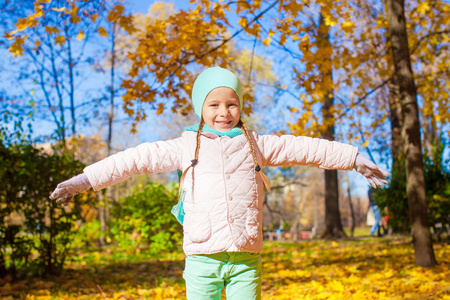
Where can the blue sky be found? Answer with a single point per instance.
(149, 130)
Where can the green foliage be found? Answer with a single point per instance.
(393, 200)
(88, 235)
(33, 224)
(437, 180)
(144, 218)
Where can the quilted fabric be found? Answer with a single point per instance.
(224, 194)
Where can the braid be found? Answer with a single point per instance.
(195, 160)
(197, 147)
(250, 143)
(253, 152)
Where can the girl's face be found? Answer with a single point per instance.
(221, 109)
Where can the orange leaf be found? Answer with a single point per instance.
(60, 40)
(160, 109)
(102, 31)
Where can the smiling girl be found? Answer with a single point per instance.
(222, 184)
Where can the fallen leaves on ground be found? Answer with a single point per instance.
(343, 269)
(353, 269)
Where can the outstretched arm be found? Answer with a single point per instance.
(330, 155)
(65, 191)
(374, 175)
(145, 158)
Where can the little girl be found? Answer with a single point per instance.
(222, 183)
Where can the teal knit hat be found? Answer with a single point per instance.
(210, 79)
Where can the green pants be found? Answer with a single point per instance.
(238, 272)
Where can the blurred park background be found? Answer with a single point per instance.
(81, 80)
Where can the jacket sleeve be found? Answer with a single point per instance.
(145, 158)
(288, 150)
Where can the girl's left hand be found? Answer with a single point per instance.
(374, 175)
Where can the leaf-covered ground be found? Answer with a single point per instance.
(380, 268)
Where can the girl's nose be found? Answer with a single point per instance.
(223, 111)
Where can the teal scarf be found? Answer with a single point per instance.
(231, 133)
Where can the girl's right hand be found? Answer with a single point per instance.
(65, 191)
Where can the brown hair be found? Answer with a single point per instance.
(252, 151)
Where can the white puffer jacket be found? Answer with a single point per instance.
(224, 193)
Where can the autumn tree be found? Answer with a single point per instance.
(205, 46)
(415, 189)
(427, 42)
(51, 40)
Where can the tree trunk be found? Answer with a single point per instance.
(352, 210)
(396, 124)
(415, 185)
(333, 225)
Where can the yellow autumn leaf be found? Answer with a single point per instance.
(423, 7)
(23, 24)
(126, 22)
(75, 19)
(94, 17)
(60, 40)
(80, 35)
(38, 12)
(61, 9)
(336, 286)
(267, 41)
(8, 36)
(347, 24)
(160, 109)
(102, 31)
(243, 22)
(17, 47)
(51, 29)
(115, 13)
(329, 21)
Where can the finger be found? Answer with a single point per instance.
(61, 197)
(372, 184)
(374, 180)
(380, 177)
(378, 182)
(381, 173)
(64, 184)
(54, 194)
(67, 199)
(58, 194)
(384, 172)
